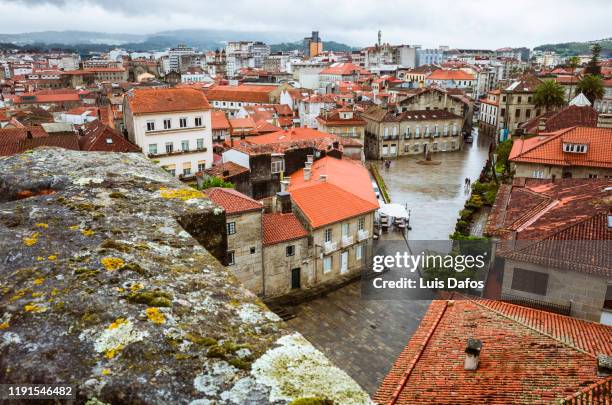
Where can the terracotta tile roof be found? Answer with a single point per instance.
(232, 201)
(570, 116)
(219, 120)
(96, 136)
(454, 74)
(41, 98)
(158, 100)
(290, 135)
(525, 84)
(333, 119)
(529, 354)
(548, 148)
(279, 228)
(226, 170)
(242, 93)
(344, 69)
(536, 209)
(347, 185)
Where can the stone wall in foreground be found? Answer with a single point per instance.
(103, 285)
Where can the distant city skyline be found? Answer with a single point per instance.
(459, 24)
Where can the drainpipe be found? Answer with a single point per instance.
(263, 262)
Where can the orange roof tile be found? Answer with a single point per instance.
(242, 93)
(347, 185)
(344, 69)
(157, 100)
(548, 148)
(232, 201)
(529, 354)
(279, 228)
(219, 120)
(455, 74)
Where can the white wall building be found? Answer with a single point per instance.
(172, 126)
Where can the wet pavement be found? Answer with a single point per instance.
(435, 193)
(364, 337)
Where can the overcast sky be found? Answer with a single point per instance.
(457, 23)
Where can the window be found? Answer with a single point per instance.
(503, 112)
(592, 176)
(290, 250)
(231, 228)
(327, 264)
(152, 149)
(361, 223)
(230, 258)
(150, 125)
(170, 171)
(186, 171)
(529, 281)
(417, 131)
(200, 143)
(328, 235)
(358, 252)
(253, 250)
(198, 121)
(527, 113)
(529, 99)
(183, 122)
(345, 229)
(518, 99)
(504, 99)
(169, 147)
(538, 174)
(417, 147)
(517, 113)
(201, 167)
(278, 166)
(167, 123)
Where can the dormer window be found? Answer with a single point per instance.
(574, 148)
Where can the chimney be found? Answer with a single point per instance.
(604, 365)
(472, 354)
(309, 158)
(323, 177)
(283, 202)
(307, 172)
(284, 185)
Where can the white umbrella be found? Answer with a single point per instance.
(393, 210)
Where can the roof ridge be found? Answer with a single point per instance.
(572, 346)
(588, 388)
(406, 374)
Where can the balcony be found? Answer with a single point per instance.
(330, 247)
(390, 137)
(175, 153)
(347, 241)
(363, 234)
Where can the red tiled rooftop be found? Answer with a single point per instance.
(548, 148)
(219, 120)
(293, 134)
(344, 69)
(347, 185)
(158, 100)
(232, 201)
(454, 74)
(530, 355)
(279, 228)
(241, 93)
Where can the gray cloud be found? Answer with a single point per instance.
(467, 23)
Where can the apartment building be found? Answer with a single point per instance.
(391, 134)
(245, 54)
(172, 126)
(344, 122)
(489, 111)
(231, 98)
(516, 104)
(341, 232)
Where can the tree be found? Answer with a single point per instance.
(592, 87)
(549, 94)
(573, 62)
(593, 67)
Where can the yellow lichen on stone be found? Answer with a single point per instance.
(106, 371)
(52, 257)
(42, 225)
(4, 325)
(39, 281)
(135, 287)
(73, 227)
(87, 232)
(111, 353)
(31, 240)
(112, 263)
(180, 193)
(36, 294)
(33, 307)
(155, 316)
(118, 322)
(54, 292)
(40, 258)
